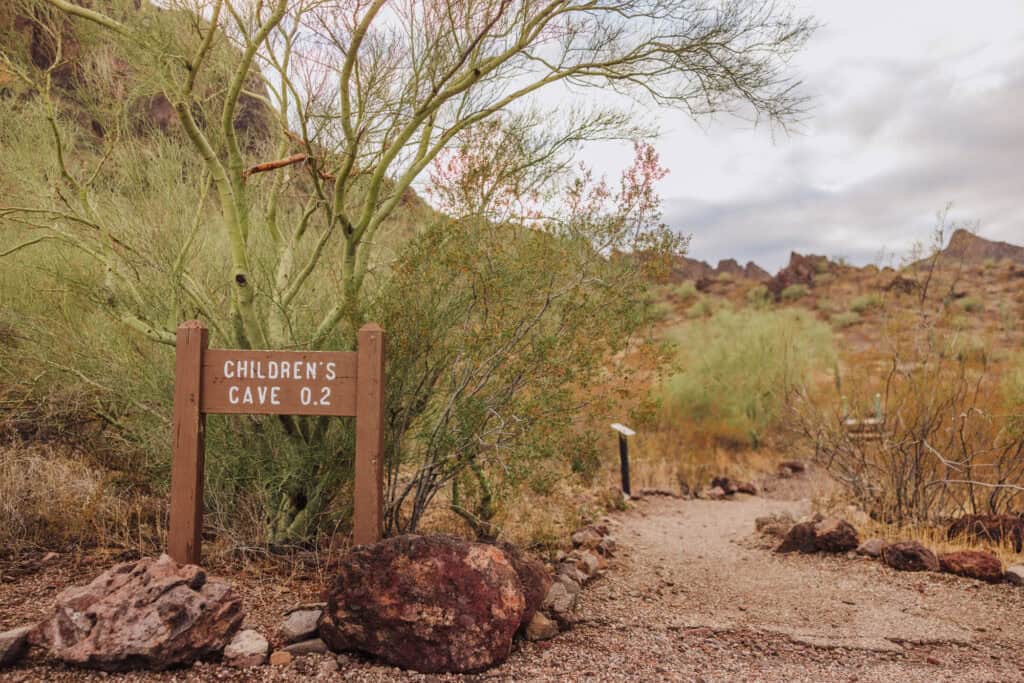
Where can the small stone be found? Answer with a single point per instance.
(327, 668)
(1015, 575)
(777, 524)
(13, 644)
(871, 547)
(713, 493)
(747, 487)
(49, 557)
(910, 556)
(248, 648)
(300, 625)
(587, 537)
(560, 603)
(541, 628)
(830, 535)
(728, 486)
(313, 646)
(281, 658)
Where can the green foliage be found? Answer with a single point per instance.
(867, 302)
(686, 291)
(827, 306)
(700, 309)
(758, 296)
(846, 319)
(822, 279)
(794, 292)
(740, 368)
(971, 304)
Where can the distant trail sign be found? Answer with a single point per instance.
(227, 381)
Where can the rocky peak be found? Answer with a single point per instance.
(967, 246)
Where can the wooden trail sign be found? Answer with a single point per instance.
(227, 381)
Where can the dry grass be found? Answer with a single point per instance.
(51, 499)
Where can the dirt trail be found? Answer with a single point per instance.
(694, 596)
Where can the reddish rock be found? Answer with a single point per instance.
(154, 614)
(534, 579)
(990, 528)
(428, 603)
(747, 487)
(974, 564)
(910, 556)
(829, 535)
(794, 466)
(728, 486)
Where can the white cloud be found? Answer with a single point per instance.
(917, 104)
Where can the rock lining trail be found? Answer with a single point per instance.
(694, 594)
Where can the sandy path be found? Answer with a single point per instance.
(693, 597)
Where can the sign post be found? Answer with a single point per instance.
(228, 381)
(624, 431)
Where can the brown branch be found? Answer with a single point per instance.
(274, 165)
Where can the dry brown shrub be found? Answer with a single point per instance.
(50, 499)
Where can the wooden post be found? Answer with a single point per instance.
(624, 463)
(368, 506)
(184, 536)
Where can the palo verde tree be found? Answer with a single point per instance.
(287, 229)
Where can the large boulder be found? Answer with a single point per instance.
(428, 603)
(13, 644)
(974, 564)
(153, 614)
(910, 556)
(828, 535)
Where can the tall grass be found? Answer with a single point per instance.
(739, 368)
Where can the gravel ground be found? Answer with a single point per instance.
(693, 595)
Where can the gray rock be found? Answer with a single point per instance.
(871, 547)
(541, 628)
(312, 646)
(587, 537)
(1015, 575)
(777, 524)
(13, 644)
(247, 649)
(300, 625)
(327, 668)
(560, 604)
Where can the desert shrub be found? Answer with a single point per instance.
(739, 369)
(846, 319)
(827, 306)
(724, 277)
(702, 308)
(758, 296)
(657, 311)
(823, 279)
(865, 303)
(794, 292)
(685, 291)
(947, 443)
(989, 263)
(971, 304)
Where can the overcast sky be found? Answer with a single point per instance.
(916, 104)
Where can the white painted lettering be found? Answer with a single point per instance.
(310, 370)
(247, 396)
(275, 396)
(233, 395)
(229, 369)
(286, 370)
(330, 370)
(273, 369)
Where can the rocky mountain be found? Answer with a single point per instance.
(969, 247)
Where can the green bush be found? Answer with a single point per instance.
(827, 306)
(759, 297)
(794, 292)
(822, 279)
(686, 291)
(700, 309)
(740, 368)
(865, 303)
(971, 305)
(847, 319)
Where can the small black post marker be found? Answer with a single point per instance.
(624, 431)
